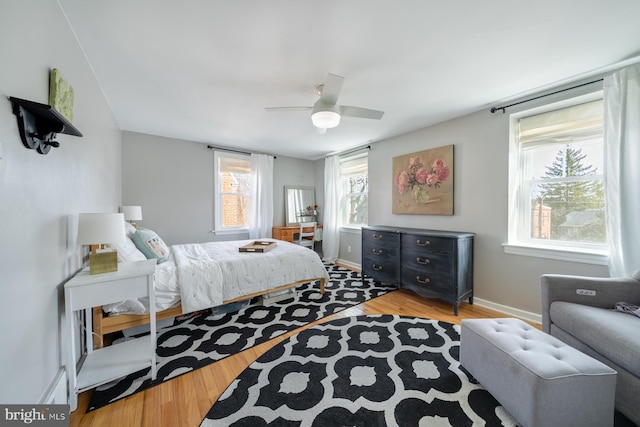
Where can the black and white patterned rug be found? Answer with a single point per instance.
(383, 370)
(205, 339)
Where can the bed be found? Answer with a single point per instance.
(197, 276)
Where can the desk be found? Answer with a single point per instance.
(84, 291)
(286, 232)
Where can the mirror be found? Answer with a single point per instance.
(297, 200)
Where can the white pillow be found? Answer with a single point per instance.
(129, 229)
(127, 251)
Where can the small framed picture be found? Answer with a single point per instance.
(61, 94)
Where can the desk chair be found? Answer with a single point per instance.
(307, 234)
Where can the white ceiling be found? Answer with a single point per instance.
(205, 70)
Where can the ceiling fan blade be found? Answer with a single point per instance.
(363, 113)
(331, 89)
(287, 108)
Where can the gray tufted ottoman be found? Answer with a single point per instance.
(539, 379)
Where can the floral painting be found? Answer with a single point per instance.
(423, 182)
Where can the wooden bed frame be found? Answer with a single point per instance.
(103, 325)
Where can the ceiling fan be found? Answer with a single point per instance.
(326, 113)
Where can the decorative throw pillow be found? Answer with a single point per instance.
(150, 244)
(127, 251)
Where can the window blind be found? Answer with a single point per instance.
(352, 166)
(582, 121)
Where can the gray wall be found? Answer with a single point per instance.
(173, 182)
(39, 193)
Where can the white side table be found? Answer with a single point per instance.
(84, 291)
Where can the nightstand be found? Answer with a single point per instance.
(84, 291)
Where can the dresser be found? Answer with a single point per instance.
(287, 232)
(431, 263)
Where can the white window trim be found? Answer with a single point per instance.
(239, 230)
(352, 229)
(217, 221)
(561, 254)
(522, 247)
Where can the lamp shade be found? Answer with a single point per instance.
(100, 228)
(132, 213)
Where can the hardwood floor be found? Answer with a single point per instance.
(185, 400)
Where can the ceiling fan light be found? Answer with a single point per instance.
(325, 119)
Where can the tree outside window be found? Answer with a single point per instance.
(357, 199)
(354, 180)
(573, 199)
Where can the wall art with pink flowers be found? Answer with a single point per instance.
(423, 182)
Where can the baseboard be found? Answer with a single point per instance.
(349, 264)
(511, 311)
(56, 393)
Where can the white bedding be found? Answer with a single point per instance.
(227, 273)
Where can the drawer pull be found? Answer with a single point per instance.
(377, 251)
(421, 243)
(377, 267)
(423, 261)
(424, 281)
(377, 236)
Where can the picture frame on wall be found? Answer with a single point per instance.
(423, 182)
(61, 96)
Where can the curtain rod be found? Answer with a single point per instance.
(211, 147)
(494, 109)
(343, 153)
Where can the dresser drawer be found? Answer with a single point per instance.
(416, 242)
(286, 235)
(283, 233)
(375, 238)
(376, 251)
(381, 269)
(434, 282)
(432, 262)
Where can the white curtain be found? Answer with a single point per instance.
(330, 231)
(261, 196)
(622, 180)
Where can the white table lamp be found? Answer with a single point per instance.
(132, 214)
(100, 229)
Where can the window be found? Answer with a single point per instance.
(557, 167)
(232, 173)
(354, 189)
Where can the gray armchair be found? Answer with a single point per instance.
(579, 311)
